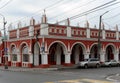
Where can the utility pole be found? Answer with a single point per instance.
(5, 45)
(99, 35)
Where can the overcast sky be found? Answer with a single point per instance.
(57, 10)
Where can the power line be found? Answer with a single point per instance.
(112, 16)
(73, 9)
(92, 10)
(108, 25)
(6, 4)
(34, 14)
(96, 10)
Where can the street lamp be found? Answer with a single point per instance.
(99, 42)
(5, 49)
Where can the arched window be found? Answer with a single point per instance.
(25, 54)
(14, 54)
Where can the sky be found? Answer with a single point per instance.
(16, 11)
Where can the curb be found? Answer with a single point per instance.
(17, 69)
(27, 70)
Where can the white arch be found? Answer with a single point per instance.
(113, 47)
(93, 45)
(25, 50)
(113, 50)
(63, 45)
(37, 43)
(12, 44)
(22, 44)
(81, 44)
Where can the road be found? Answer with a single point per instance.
(91, 75)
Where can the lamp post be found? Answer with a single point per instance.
(99, 42)
(5, 49)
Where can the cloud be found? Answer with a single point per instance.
(18, 9)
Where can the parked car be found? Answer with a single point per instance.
(111, 63)
(91, 62)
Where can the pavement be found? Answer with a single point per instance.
(115, 78)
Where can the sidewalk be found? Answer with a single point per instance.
(22, 69)
(33, 69)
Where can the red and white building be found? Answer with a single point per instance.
(44, 44)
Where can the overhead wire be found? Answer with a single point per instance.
(94, 8)
(103, 6)
(97, 7)
(72, 9)
(6, 4)
(40, 11)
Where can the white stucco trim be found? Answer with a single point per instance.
(61, 43)
(113, 47)
(81, 44)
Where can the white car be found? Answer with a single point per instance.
(111, 63)
(91, 62)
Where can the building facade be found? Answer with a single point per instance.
(44, 44)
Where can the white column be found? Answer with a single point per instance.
(31, 30)
(0, 59)
(88, 32)
(18, 56)
(76, 58)
(117, 35)
(67, 58)
(9, 57)
(31, 58)
(44, 58)
(116, 56)
(86, 55)
(103, 34)
(69, 31)
(102, 56)
(44, 29)
(58, 59)
(18, 33)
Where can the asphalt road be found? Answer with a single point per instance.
(90, 75)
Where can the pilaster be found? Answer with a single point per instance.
(67, 60)
(88, 32)
(117, 33)
(102, 56)
(116, 56)
(44, 29)
(31, 27)
(103, 34)
(69, 31)
(86, 55)
(44, 59)
(30, 60)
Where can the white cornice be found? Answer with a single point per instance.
(63, 37)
